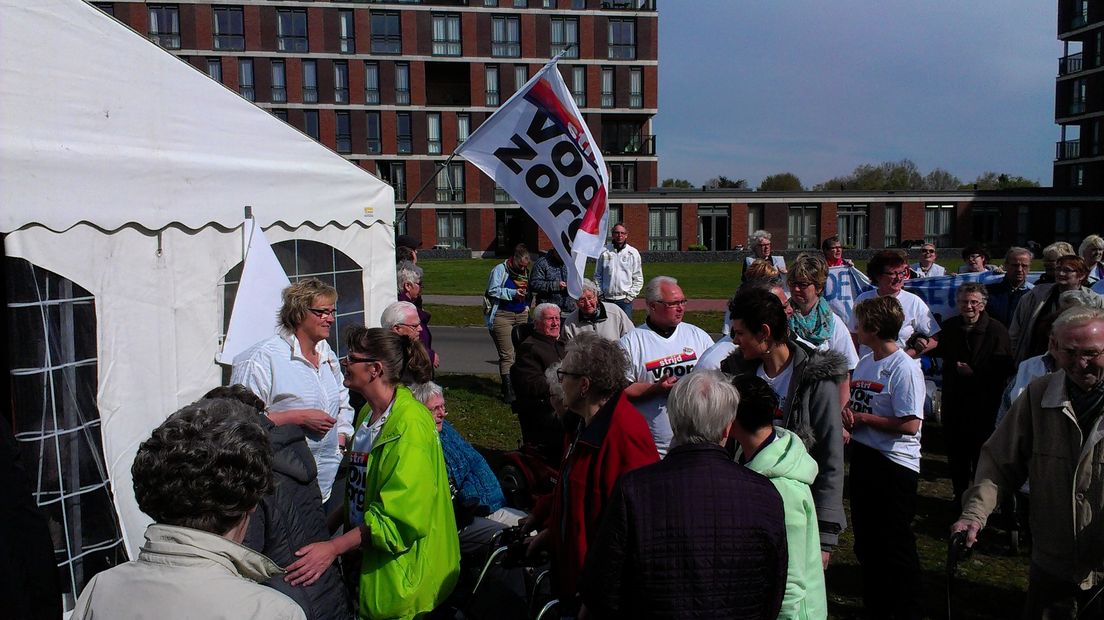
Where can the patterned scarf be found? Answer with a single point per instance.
(815, 327)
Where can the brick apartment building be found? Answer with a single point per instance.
(1079, 95)
(396, 86)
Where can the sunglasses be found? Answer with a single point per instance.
(323, 312)
(349, 360)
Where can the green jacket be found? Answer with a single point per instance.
(412, 560)
(790, 468)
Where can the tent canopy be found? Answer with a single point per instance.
(102, 126)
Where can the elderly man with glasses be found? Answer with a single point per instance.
(927, 267)
(888, 271)
(594, 315)
(661, 350)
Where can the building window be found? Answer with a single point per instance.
(663, 229)
(446, 35)
(310, 81)
(341, 81)
(214, 69)
(578, 86)
(623, 176)
(375, 144)
(450, 229)
(164, 25)
(386, 33)
(280, 114)
(450, 183)
(371, 83)
(607, 87)
(245, 78)
(939, 225)
(505, 37)
(505, 225)
(403, 135)
(347, 31)
(548, 4)
(106, 7)
(615, 216)
(53, 374)
(892, 226)
(393, 173)
(852, 221)
(754, 220)
(636, 88)
(986, 226)
(521, 76)
(343, 137)
(463, 128)
(565, 33)
(578, 4)
(402, 83)
(622, 39)
(490, 2)
(310, 123)
(1079, 96)
(229, 28)
(521, 4)
(303, 259)
(279, 83)
(713, 228)
(291, 30)
(500, 194)
(1023, 222)
(1067, 224)
(492, 85)
(433, 133)
(802, 227)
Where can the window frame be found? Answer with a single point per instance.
(247, 87)
(617, 49)
(371, 83)
(568, 36)
(853, 225)
(402, 83)
(806, 234)
(452, 190)
(456, 224)
(346, 31)
(493, 97)
(279, 86)
(386, 42)
(214, 66)
(343, 140)
(664, 228)
(448, 45)
(310, 80)
(311, 124)
(170, 38)
(341, 81)
(404, 140)
(939, 224)
(433, 133)
(230, 40)
(506, 47)
(609, 88)
(373, 134)
(292, 42)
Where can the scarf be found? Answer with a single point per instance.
(815, 327)
(519, 276)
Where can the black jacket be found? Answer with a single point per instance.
(539, 425)
(812, 412)
(973, 400)
(290, 517)
(692, 536)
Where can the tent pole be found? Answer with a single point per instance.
(433, 176)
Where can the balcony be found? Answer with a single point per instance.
(310, 94)
(1077, 106)
(1069, 149)
(630, 5)
(639, 144)
(1073, 63)
(167, 41)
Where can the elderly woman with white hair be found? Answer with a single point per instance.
(761, 250)
(409, 279)
(1092, 252)
(594, 315)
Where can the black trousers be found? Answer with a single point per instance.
(965, 437)
(883, 504)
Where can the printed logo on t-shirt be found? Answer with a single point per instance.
(862, 392)
(678, 364)
(358, 469)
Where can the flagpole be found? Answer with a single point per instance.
(402, 217)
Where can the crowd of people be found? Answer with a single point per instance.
(696, 478)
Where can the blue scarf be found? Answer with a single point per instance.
(815, 327)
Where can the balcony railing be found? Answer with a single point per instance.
(1077, 106)
(640, 144)
(291, 44)
(1069, 149)
(630, 5)
(247, 92)
(232, 42)
(450, 194)
(1070, 64)
(167, 41)
(310, 94)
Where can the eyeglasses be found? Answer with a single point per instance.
(1088, 356)
(801, 285)
(560, 374)
(349, 360)
(836, 247)
(896, 275)
(928, 251)
(970, 303)
(323, 312)
(678, 303)
(973, 257)
(1065, 270)
(409, 325)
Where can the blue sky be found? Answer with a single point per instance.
(751, 88)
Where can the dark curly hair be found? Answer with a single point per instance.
(758, 402)
(757, 307)
(886, 259)
(205, 467)
(239, 393)
(603, 361)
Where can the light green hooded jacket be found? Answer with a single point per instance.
(788, 465)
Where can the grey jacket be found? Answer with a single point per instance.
(812, 412)
(181, 574)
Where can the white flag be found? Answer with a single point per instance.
(259, 297)
(538, 149)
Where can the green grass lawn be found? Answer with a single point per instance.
(990, 584)
(716, 280)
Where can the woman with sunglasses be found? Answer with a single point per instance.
(610, 438)
(296, 373)
(398, 516)
(888, 271)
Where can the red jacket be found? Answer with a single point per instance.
(617, 441)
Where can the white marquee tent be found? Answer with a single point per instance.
(124, 173)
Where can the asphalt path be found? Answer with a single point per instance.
(465, 350)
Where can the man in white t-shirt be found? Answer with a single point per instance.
(888, 271)
(661, 350)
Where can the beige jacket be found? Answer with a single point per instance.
(1040, 441)
(183, 574)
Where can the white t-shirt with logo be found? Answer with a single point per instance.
(780, 385)
(364, 439)
(918, 318)
(653, 357)
(714, 355)
(892, 387)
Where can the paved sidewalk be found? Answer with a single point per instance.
(698, 305)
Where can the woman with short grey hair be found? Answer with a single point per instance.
(761, 250)
(409, 277)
